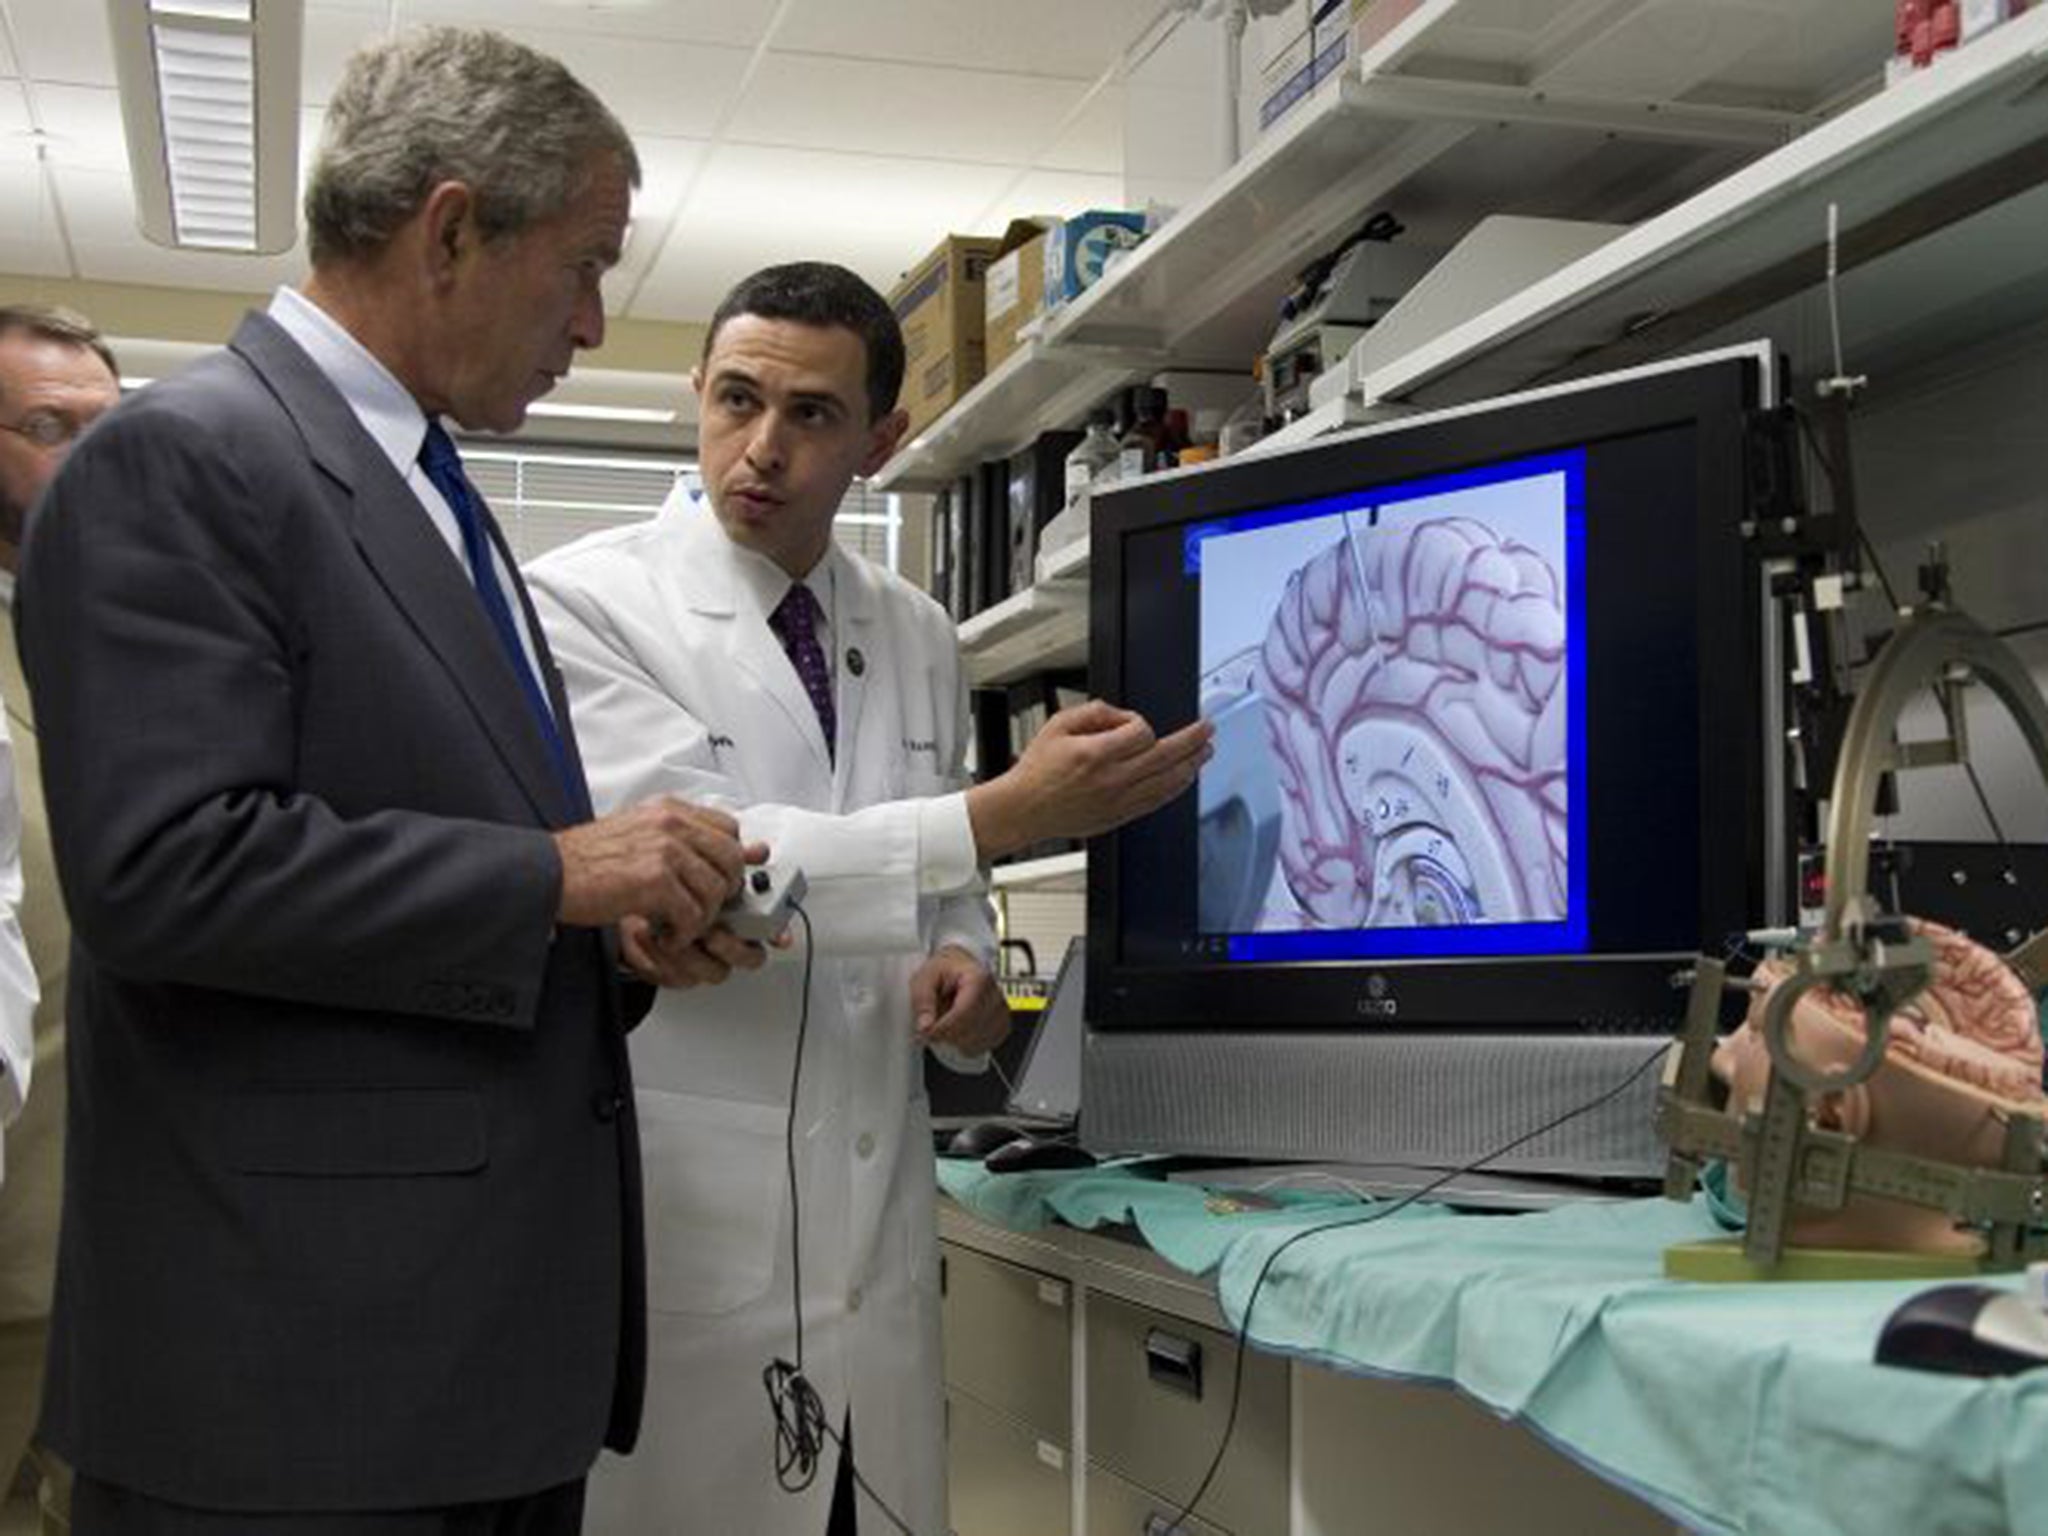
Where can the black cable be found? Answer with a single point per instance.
(2014, 631)
(1378, 1214)
(799, 1414)
(801, 1424)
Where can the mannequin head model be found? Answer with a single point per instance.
(1959, 1060)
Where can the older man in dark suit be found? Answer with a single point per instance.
(352, 1230)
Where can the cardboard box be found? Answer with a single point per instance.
(1342, 30)
(1287, 78)
(1364, 23)
(1014, 295)
(939, 305)
(1077, 251)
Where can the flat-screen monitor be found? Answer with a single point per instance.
(1489, 690)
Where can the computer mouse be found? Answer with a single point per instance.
(981, 1138)
(1023, 1155)
(1966, 1330)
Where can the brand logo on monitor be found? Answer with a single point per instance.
(1376, 1004)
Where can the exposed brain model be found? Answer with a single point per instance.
(1414, 689)
(1958, 1059)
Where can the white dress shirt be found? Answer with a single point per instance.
(19, 990)
(395, 421)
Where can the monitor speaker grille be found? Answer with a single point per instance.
(1436, 1101)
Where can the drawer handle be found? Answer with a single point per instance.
(1173, 1362)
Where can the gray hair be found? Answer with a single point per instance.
(453, 104)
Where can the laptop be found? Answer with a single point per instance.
(1044, 1090)
(1046, 1095)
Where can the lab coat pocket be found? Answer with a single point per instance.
(715, 1183)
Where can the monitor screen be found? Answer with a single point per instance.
(1396, 677)
(1488, 697)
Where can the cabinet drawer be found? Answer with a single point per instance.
(1001, 1479)
(1158, 1397)
(1120, 1508)
(1008, 1340)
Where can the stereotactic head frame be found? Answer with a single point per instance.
(1784, 1160)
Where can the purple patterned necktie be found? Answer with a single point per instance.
(795, 622)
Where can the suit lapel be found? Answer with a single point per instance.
(398, 542)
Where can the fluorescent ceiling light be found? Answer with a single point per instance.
(599, 412)
(131, 382)
(210, 102)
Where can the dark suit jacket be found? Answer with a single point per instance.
(352, 1213)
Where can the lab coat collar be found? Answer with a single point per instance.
(719, 578)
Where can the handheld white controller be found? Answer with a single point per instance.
(765, 902)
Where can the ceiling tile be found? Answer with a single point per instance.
(30, 243)
(655, 85)
(744, 186)
(84, 126)
(753, 206)
(1075, 39)
(1094, 141)
(946, 114)
(666, 166)
(7, 65)
(675, 89)
(67, 44)
(1065, 193)
(99, 205)
(334, 34)
(15, 144)
(738, 23)
(698, 268)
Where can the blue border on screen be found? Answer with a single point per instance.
(1573, 933)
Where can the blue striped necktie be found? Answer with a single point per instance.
(443, 466)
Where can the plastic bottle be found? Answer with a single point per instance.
(1098, 446)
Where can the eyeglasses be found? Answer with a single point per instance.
(46, 429)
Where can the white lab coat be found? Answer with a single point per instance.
(677, 685)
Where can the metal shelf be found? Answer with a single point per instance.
(1942, 186)
(1033, 390)
(1039, 629)
(1043, 628)
(1588, 109)
(1066, 564)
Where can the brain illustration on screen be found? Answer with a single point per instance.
(1412, 686)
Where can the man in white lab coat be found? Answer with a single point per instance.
(741, 656)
